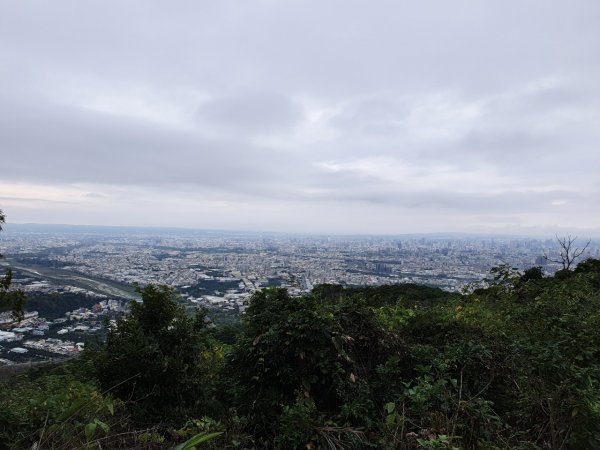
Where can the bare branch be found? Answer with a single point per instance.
(568, 254)
(578, 252)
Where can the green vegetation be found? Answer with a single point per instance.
(12, 299)
(513, 363)
(53, 305)
(160, 359)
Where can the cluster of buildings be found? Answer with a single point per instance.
(56, 346)
(232, 301)
(298, 262)
(12, 330)
(47, 338)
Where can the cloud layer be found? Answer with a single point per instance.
(333, 116)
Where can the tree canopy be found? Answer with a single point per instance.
(159, 357)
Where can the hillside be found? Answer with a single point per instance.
(515, 363)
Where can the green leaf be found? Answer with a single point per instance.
(90, 429)
(102, 425)
(75, 407)
(191, 443)
(390, 407)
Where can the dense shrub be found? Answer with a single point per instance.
(159, 359)
(513, 364)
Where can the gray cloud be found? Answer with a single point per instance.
(66, 145)
(252, 112)
(301, 109)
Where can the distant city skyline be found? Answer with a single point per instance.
(91, 229)
(330, 117)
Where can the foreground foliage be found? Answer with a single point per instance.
(514, 363)
(160, 359)
(14, 299)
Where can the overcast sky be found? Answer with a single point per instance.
(313, 116)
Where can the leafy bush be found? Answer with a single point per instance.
(53, 411)
(160, 360)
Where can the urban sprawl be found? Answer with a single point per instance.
(220, 271)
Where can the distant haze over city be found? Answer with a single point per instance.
(337, 117)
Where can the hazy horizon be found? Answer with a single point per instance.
(76, 228)
(334, 117)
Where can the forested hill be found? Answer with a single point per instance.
(514, 363)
